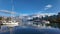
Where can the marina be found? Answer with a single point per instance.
(29, 16)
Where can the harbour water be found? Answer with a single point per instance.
(28, 30)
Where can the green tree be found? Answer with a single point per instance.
(0, 18)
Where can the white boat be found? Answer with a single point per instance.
(11, 23)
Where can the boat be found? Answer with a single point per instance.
(11, 23)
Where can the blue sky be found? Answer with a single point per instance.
(30, 6)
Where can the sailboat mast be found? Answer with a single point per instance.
(12, 9)
(12, 5)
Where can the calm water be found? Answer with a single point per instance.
(29, 30)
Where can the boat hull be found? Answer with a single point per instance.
(10, 24)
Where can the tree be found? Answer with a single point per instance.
(0, 18)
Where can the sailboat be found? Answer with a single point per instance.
(11, 23)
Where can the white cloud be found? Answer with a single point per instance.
(6, 11)
(49, 14)
(23, 14)
(48, 7)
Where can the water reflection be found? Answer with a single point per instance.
(28, 29)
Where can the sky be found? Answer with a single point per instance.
(28, 7)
